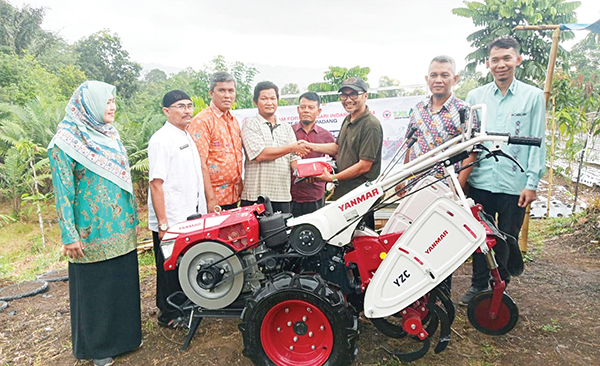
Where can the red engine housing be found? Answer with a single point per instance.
(367, 254)
(237, 228)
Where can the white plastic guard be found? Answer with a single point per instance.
(433, 247)
(426, 191)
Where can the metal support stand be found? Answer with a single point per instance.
(193, 327)
(195, 314)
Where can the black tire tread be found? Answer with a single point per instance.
(506, 301)
(43, 287)
(313, 286)
(51, 276)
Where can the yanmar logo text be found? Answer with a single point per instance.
(359, 199)
(436, 242)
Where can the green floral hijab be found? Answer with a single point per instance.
(85, 137)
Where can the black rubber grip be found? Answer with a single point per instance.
(462, 113)
(524, 140)
(411, 132)
(411, 142)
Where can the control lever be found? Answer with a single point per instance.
(499, 152)
(502, 153)
(412, 141)
(462, 113)
(411, 132)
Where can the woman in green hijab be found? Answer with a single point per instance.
(97, 215)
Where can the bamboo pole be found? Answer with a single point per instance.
(551, 63)
(547, 90)
(551, 172)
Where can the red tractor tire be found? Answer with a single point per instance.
(299, 320)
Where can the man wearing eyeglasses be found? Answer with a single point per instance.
(358, 146)
(218, 139)
(176, 191)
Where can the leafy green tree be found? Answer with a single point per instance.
(334, 77)
(386, 81)
(135, 136)
(578, 116)
(12, 170)
(577, 96)
(29, 152)
(289, 89)
(58, 55)
(23, 78)
(24, 166)
(467, 81)
(497, 18)
(20, 31)
(585, 56)
(70, 76)
(36, 120)
(155, 76)
(23, 161)
(102, 57)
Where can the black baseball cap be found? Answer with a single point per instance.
(355, 84)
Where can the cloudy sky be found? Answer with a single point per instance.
(290, 41)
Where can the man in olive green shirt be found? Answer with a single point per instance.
(358, 146)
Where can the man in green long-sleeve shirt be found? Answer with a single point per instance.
(500, 186)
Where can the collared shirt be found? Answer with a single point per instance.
(173, 157)
(267, 178)
(218, 139)
(310, 192)
(520, 112)
(433, 128)
(360, 139)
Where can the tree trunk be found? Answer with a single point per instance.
(37, 203)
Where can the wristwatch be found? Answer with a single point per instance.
(334, 180)
(163, 227)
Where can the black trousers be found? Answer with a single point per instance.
(303, 208)
(510, 219)
(167, 282)
(283, 207)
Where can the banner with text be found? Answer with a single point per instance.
(393, 113)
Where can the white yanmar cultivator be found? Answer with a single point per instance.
(298, 284)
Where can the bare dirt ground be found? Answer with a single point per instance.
(558, 296)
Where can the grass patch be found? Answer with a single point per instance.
(146, 258)
(146, 263)
(543, 229)
(535, 240)
(561, 225)
(553, 327)
(490, 353)
(22, 254)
